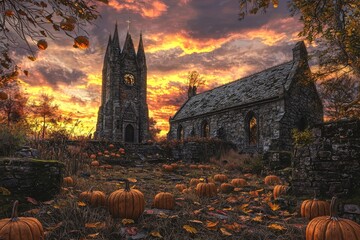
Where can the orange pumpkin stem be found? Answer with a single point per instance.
(14, 214)
(334, 208)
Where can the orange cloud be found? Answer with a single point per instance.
(147, 9)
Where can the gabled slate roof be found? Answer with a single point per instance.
(263, 85)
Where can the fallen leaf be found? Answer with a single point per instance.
(94, 235)
(234, 227)
(274, 206)
(126, 221)
(81, 204)
(277, 227)
(5, 191)
(95, 225)
(232, 199)
(196, 221)
(225, 232)
(131, 231)
(48, 202)
(132, 180)
(32, 200)
(257, 219)
(190, 229)
(33, 211)
(156, 234)
(211, 225)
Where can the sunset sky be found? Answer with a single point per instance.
(179, 36)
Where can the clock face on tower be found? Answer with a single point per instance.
(129, 79)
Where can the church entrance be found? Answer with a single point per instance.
(129, 133)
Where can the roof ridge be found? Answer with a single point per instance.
(243, 78)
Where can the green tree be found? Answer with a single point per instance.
(46, 110)
(339, 97)
(334, 25)
(27, 24)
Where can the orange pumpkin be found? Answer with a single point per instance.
(275, 3)
(81, 42)
(180, 187)
(194, 182)
(3, 96)
(164, 200)
(174, 165)
(206, 189)
(279, 190)
(100, 153)
(126, 203)
(122, 151)
(272, 180)
(68, 182)
(312, 208)
(95, 163)
(111, 146)
(9, 13)
(93, 156)
(24, 228)
(193, 166)
(42, 44)
(226, 188)
(94, 198)
(332, 227)
(220, 178)
(238, 182)
(188, 190)
(167, 168)
(67, 25)
(107, 166)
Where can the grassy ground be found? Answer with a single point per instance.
(245, 213)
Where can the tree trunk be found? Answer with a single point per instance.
(43, 132)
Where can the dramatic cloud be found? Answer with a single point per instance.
(179, 36)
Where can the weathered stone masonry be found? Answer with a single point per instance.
(123, 114)
(279, 99)
(331, 164)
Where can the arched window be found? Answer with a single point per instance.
(180, 133)
(252, 129)
(205, 129)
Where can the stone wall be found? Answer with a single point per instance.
(331, 164)
(24, 177)
(234, 125)
(198, 151)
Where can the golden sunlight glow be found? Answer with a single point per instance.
(146, 8)
(76, 84)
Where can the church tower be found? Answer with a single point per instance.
(123, 114)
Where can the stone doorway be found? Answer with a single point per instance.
(129, 134)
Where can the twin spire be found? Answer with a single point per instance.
(128, 48)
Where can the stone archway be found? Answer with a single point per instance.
(129, 134)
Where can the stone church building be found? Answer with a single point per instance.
(123, 114)
(256, 112)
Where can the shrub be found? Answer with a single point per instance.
(11, 138)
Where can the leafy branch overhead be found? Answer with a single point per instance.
(26, 24)
(333, 25)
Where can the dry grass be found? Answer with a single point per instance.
(65, 219)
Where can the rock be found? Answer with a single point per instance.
(352, 208)
(27, 177)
